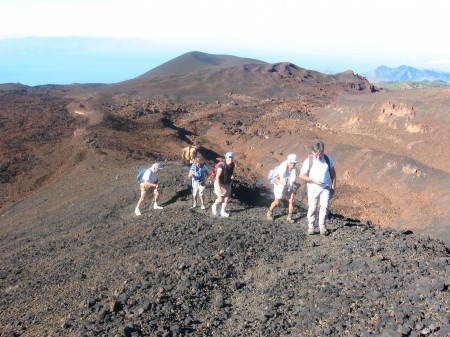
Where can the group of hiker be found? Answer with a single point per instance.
(317, 170)
(221, 178)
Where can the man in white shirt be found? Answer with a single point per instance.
(149, 181)
(319, 173)
(284, 185)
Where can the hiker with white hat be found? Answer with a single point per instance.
(284, 185)
(148, 182)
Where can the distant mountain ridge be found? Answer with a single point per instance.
(208, 77)
(197, 61)
(405, 73)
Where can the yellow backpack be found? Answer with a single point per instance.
(186, 155)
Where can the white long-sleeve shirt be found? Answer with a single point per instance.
(284, 175)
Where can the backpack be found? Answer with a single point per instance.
(140, 175)
(214, 173)
(311, 163)
(270, 175)
(186, 155)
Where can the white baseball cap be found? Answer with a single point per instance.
(156, 166)
(292, 158)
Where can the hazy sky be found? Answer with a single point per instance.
(333, 35)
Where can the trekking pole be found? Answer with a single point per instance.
(210, 188)
(161, 190)
(303, 192)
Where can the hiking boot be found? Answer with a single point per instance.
(137, 212)
(194, 205)
(224, 214)
(155, 206)
(269, 215)
(214, 209)
(323, 230)
(289, 218)
(202, 207)
(311, 231)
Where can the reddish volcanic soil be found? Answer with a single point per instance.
(380, 141)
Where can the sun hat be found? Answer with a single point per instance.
(292, 158)
(156, 166)
(229, 154)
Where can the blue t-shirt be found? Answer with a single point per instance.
(199, 172)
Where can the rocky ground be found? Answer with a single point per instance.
(76, 261)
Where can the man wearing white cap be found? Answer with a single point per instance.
(284, 185)
(149, 181)
(222, 184)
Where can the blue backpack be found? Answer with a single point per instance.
(270, 175)
(140, 175)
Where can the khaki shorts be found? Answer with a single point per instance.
(281, 192)
(145, 189)
(223, 191)
(197, 188)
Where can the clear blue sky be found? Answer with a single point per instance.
(106, 41)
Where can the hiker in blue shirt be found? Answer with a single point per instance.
(149, 182)
(198, 174)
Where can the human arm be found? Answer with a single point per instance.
(219, 172)
(333, 178)
(333, 181)
(150, 179)
(279, 181)
(304, 177)
(207, 176)
(149, 184)
(293, 185)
